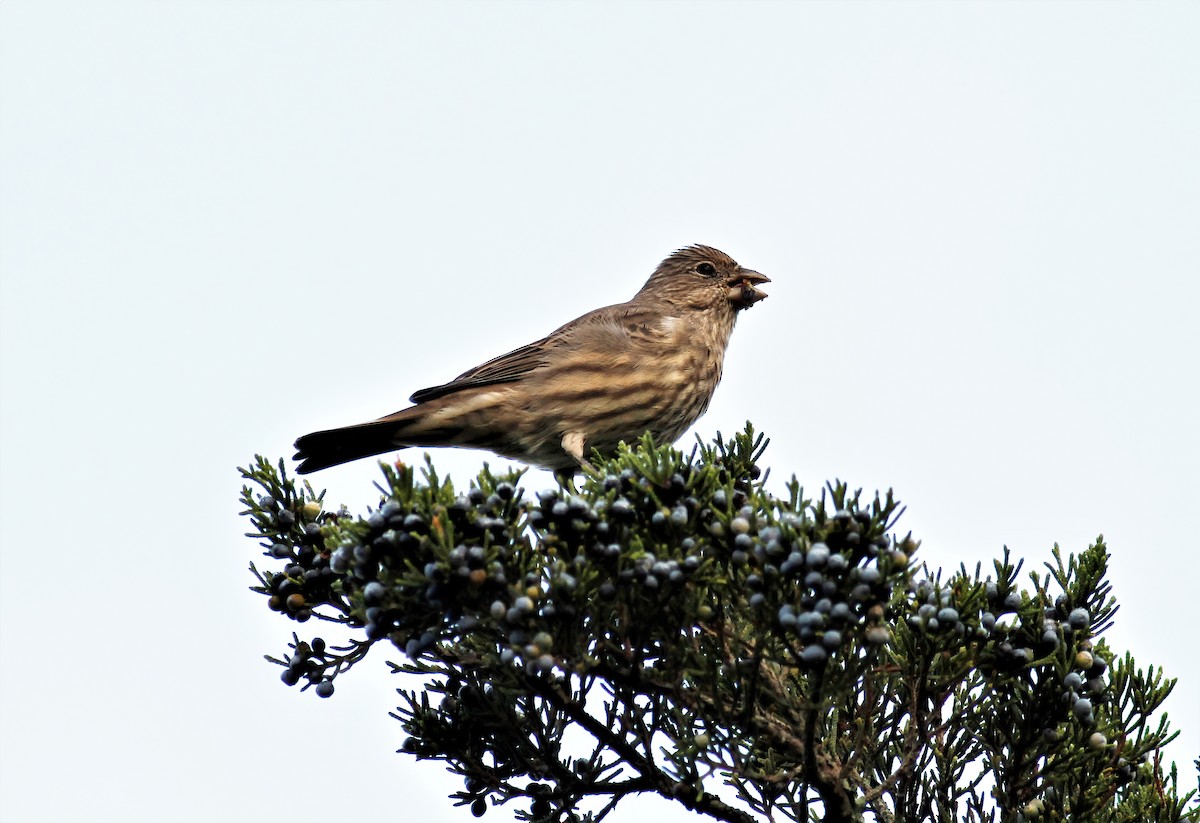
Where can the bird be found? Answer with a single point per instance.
(650, 364)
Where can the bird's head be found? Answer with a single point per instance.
(703, 276)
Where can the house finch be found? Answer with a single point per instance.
(648, 365)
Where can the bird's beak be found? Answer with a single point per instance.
(742, 292)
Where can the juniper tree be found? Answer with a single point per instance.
(668, 625)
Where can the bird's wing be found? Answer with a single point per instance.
(620, 326)
(503, 369)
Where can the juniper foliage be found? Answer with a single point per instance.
(670, 626)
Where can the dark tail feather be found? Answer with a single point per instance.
(332, 447)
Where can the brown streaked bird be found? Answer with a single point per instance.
(648, 365)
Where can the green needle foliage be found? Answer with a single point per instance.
(670, 626)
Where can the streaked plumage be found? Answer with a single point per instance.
(648, 365)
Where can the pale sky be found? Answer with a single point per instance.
(223, 225)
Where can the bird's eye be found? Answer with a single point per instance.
(707, 269)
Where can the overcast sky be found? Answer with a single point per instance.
(225, 224)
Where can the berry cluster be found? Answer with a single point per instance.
(1014, 642)
(631, 519)
(476, 795)
(540, 807)
(1014, 636)
(307, 580)
(831, 579)
(617, 537)
(310, 660)
(646, 543)
(419, 570)
(1085, 685)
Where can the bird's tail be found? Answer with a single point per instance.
(332, 447)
